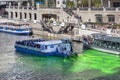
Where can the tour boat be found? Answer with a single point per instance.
(103, 42)
(18, 29)
(45, 47)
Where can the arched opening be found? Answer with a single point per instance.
(99, 18)
(111, 18)
(16, 15)
(49, 16)
(20, 15)
(5, 15)
(35, 16)
(25, 15)
(11, 15)
(30, 16)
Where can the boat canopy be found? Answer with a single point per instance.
(51, 42)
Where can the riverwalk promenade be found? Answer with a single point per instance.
(38, 31)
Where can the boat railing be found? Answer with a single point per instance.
(10, 26)
(110, 47)
(29, 47)
(29, 43)
(107, 38)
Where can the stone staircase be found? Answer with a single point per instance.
(68, 11)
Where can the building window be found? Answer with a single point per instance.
(64, 2)
(58, 2)
(16, 14)
(111, 18)
(99, 18)
(35, 16)
(25, 15)
(116, 4)
(52, 46)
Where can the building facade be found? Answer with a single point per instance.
(108, 13)
(60, 3)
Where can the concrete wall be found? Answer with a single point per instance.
(86, 15)
(89, 16)
(58, 12)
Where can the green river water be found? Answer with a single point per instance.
(89, 65)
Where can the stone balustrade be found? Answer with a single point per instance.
(82, 8)
(100, 9)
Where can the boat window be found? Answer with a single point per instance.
(58, 45)
(45, 47)
(65, 49)
(42, 47)
(51, 46)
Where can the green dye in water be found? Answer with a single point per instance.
(88, 60)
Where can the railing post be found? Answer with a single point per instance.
(89, 9)
(9, 5)
(38, 6)
(77, 9)
(116, 9)
(28, 5)
(104, 9)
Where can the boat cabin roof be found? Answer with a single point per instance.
(106, 37)
(50, 42)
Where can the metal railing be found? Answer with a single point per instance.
(81, 8)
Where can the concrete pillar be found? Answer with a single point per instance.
(18, 15)
(32, 15)
(23, 17)
(14, 17)
(39, 17)
(105, 19)
(89, 3)
(28, 5)
(119, 20)
(33, 3)
(27, 16)
(38, 6)
(9, 4)
(20, 3)
(75, 2)
(101, 3)
(109, 3)
(46, 3)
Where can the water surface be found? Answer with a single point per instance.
(90, 65)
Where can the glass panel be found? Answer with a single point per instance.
(111, 18)
(99, 18)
